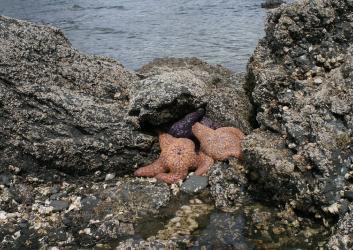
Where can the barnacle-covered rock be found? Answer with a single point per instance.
(171, 88)
(300, 77)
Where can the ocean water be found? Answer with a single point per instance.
(136, 31)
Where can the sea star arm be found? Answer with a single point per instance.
(165, 140)
(151, 170)
(204, 162)
(171, 178)
(237, 152)
(234, 131)
(200, 130)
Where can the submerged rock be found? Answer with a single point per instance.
(224, 231)
(301, 81)
(270, 4)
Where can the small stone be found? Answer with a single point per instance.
(14, 169)
(59, 205)
(5, 180)
(16, 235)
(194, 184)
(3, 215)
(318, 80)
(109, 177)
(348, 195)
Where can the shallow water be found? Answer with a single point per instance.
(251, 226)
(137, 31)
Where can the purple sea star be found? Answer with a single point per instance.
(182, 128)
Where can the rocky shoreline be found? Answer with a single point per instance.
(74, 128)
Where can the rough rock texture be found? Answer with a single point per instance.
(62, 109)
(343, 238)
(172, 88)
(227, 185)
(94, 213)
(270, 4)
(301, 76)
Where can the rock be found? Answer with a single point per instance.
(172, 88)
(162, 98)
(109, 177)
(343, 238)
(226, 186)
(224, 231)
(143, 244)
(59, 205)
(270, 4)
(348, 195)
(300, 152)
(62, 109)
(88, 213)
(194, 184)
(5, 179)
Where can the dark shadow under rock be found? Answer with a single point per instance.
(174, 87)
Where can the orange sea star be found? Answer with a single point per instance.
(177, 157)
(221, 143)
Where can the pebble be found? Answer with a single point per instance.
(348, 195)
(3, 215)
(59, 205)
(109, 177)
(194, 184)
(318, 81)
(5, 179)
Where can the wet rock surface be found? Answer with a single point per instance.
(172, 88)
(343, 238)
(60, 108)
(302, 87)
(88, 214)
(194, 184)
(227, 185)
(270, 4)
(71, 126)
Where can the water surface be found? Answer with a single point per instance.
(137, 31)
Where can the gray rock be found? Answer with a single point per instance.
(59, 205)
(109, 177)
(63, 109)
(194, 184)
(343, 238)
(91, 213)
(160, 99)
(145, 244)
(5, 179)
(227, 185)
(348, 195)
(270, 4)
(175, 87)
(301, 81)
(224, 231)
